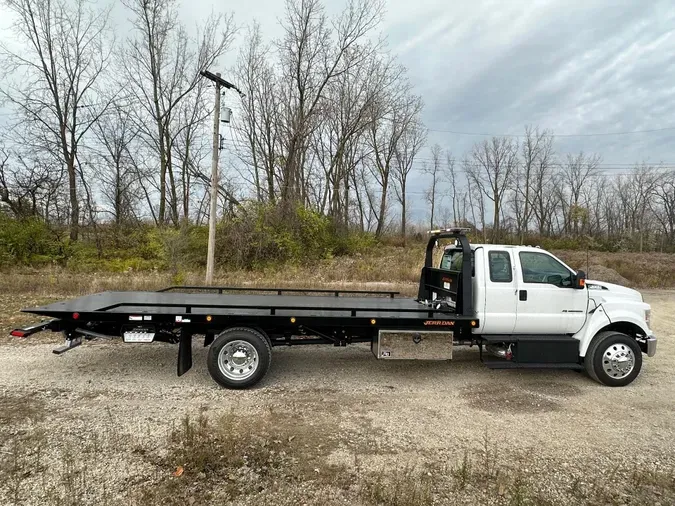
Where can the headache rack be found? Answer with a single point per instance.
(437, 284)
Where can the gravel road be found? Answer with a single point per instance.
(384, 412)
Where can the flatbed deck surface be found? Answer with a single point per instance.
(239, 304)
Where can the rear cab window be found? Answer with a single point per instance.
(452, 260)
(500, 267)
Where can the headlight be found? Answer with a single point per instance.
(648, 318)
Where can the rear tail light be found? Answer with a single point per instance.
(18, 333)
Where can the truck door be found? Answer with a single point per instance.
(500, 287)
(547, 300)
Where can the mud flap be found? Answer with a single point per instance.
(184, 352)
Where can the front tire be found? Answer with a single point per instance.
(613, 359)
(239, 357)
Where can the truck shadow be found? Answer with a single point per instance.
(353, 368)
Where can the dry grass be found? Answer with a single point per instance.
(386, 268)
(275, 458)
(269, 461)
(641, 270)
(406, 486)
(393, 268)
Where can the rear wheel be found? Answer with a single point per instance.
(239, 357)
(613, 359)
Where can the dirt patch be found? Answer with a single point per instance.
(607, 274)
(506, 399)
(554, 389)
(16, 408)
(537, 397)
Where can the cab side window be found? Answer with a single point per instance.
(500, 267)
(543, 268)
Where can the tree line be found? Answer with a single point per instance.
(107, 131)
(517, 189)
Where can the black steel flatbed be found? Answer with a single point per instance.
(254, 322)
(112, 304)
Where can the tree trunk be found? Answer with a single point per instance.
(403, 210)
(495, 219)
(383, 204)
(74, 204)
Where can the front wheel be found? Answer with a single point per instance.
(613, 359)
(239, 357)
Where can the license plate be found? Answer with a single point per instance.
(139, 337)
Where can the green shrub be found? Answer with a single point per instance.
(265, 235)
(27, 241)
(258, 236)
(354, 243)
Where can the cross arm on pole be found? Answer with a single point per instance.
(219, 80)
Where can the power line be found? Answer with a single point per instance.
(598, 134)
(459, 163)
(237, 143)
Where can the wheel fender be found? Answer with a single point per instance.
(595, 321)
(604, 315)
(634, 314)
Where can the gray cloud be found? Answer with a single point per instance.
(574, 66)
(567, 66)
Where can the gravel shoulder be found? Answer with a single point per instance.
(381, 413)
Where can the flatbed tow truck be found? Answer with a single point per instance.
(478, 296)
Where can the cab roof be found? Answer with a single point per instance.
(496, 246)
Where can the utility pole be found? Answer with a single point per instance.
(210, 255)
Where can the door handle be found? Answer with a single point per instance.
(522, 294)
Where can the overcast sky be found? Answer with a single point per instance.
(573, 66)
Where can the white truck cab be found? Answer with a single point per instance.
(526, 294)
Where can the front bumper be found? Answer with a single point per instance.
(651, 345)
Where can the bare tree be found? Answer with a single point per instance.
(476, 197)
(663, 205)
(259, 124)
(492, 166)
(434, 170)
(455, 194)
(312, 55)
(411, 143)
(366, 200)
(63, 59)
(31, 186)
(575, 172)
(116, 173)
(392, 118)
(349, 117)
(536, 152)
(162, 67)
(634, 193)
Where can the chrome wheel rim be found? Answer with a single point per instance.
(618, 361)
(238, 360)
